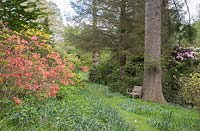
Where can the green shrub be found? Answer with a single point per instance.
(108, 73)
(99, 74)
(191, 89)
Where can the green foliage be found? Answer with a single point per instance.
(196, 25)
(109, 74)
(20, 13)
(121, 26)
(99, 74)
(79, 81)
(76, 56)
(73, 113)
(191, 89)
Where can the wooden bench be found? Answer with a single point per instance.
(136, 91)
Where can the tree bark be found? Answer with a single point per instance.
(96, 53)
(152, 87)
(95, 57)
(122, 60)
(123, 31)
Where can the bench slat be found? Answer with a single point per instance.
(136, 91)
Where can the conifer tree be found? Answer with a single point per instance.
(20, 13)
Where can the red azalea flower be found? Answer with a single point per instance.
(34, 38)
(84, 68)
(17, 100)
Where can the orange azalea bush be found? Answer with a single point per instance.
(30, 64)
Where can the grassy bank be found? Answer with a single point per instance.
(95, 108)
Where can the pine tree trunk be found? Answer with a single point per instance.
(122, 60)
(95, 58)
(122, 64)
(122, 55)
(152, 87)
(96, 53)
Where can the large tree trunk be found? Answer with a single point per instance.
(122, 61)
(96, 53)
(123, 31)
(152, 87)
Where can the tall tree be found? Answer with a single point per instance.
(86, 19)
(120, 26)
(55, 22)
(20, 13)
(95, 52)
(123, 24)
(152, 87)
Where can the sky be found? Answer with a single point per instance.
(193, 7)
(64, 6)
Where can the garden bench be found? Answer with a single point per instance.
(136, 91)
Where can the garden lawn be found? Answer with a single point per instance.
(114, 100)
(147, 116)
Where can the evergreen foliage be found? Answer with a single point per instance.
(19, 13)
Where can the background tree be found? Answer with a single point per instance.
(21, 13)
(94, 28)
(55, 22)
(113, 31)
(87, 20)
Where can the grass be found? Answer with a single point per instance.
(95, 108)
(75, 112)
(147, 116)
(115, 100)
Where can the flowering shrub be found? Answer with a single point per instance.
(29, 32)
(183, 54)
(183, 61)
(30, 64)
